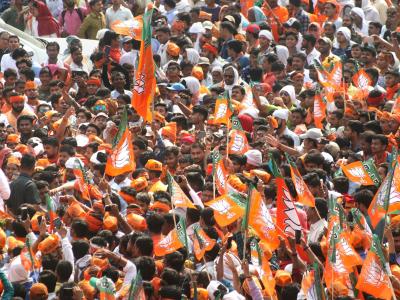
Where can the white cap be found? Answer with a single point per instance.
(213, 287)
(101, 114)
(207, 25)
(282, 114)
(254, 157)
(81, 140)
(312, 133)
(197, 28)
(267, 34)
(93, 158)
(71, 163)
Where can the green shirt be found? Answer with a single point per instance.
(10, 16)
(91, 24)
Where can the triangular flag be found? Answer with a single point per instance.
(226, 211)
(374, 278)
(121, 160)
(145, 81)
(219, 172)
(356, 172)
(178, 197)
(222, 112)
(132, 28)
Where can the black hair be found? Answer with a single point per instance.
(363, 197)
(27, 162)
(155, 223)
(145, 245)
(49, 279)
(64, 270)
(146, 266)
(53, 44)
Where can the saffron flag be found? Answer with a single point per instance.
(287, 219)
(178, 197)
(369, 166)
(245, 5)
(121, 160)
(219, 172)
(81, 182)
(201, 243)
(132, 28)
(226, 211)
(356, 172)
(319, 111)
(222, 112)
(348, 255)
(311, 284)
(261, 221)
(304, 195)
(396, 106)
(136, 288)
(267, 278)
(374, 278)
(238, 143)
(145, 80)
(168, 244)
(362, 80)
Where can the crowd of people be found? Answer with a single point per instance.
(258, 161)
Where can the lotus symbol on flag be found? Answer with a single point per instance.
(221, 111)
(140, 84)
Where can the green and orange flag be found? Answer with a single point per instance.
(145, 80)
(238, 143)
(51, 210)
(178, 197)
(356, 172)
(226, 210)
(121, 160)
(374, 278)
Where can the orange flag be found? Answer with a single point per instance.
(121, 160)
(226, 211)
(168, 244)
(304, 195)
(287, 219)
(319, 111)
(267, 279)
(222, 112)
(349, 256)
(261, 221)
(178, 197)
(219, 172)
(336, 75)
(374, 278)
(145, 80)
(132, 28)
(362, 80)
(245, 6)
(396, 106)
(238, 143)
(356, 172)
(201, 243)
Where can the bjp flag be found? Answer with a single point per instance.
(238, 143)
(121, 160)
(132, 28)
(226, 211)
(362, 80)
(178, 197)
(219, 172)
(374, 278)
(356, 172)
(168, 244)
(319, 111)
(222, 111)
(245, 5)
(145, 80)
(201, 243)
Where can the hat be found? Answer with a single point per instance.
(205, 16)
(110, 223)
(253, 28)
(207, 25)
(82, 140)
(94, 81)
(13, 160)
(375, 98)
(38, 291)
(75, 210)
(282, 114)
(282, 278)
(30, 85)
(293, 22)
(13, 138)
(197, 28)
(18, 98)
(101, 114)
(266, 34)
(254, 157)
(203, 61)
(326, 40)
(173, 49)
(169, 131)
(177, 87)
(139, 184)
(153, 165)
(42, 163)
(126, 39)
(49, 244)
(197, 72)
(161, 206)
(137, 222)
(312, 133)
(94, 223)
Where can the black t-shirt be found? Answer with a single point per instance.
(23, 190)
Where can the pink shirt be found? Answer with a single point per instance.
(72, 21)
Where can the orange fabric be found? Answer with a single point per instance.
(137, 222)
(30, 85)
(226, 211)
(49, 244)
(281, 13)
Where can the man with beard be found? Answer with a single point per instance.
(32, 94)
(282, 115)
(18, 109)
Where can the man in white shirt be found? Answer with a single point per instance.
(316, 217)
(7, 62)
(308, 46)
(117, 12)
(282, 115)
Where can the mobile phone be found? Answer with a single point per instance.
(24, 213)
(57, 223)
(298, 236)
(39, 219)
(107, 50)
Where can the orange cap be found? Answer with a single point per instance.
(30, 85)
(49, 244)
(197, 72)
(13, 160)
(35, 221)
(127, 198)
(21, 148)
(13, 243)
(74, 210)
(19, 98)
(42, 163)
(173, 49)
(94, 223)
(13, 138)
(94, 81)
(49, 114)
(160, 206)
(282, 278)
(264, 176)
(137, 222)
(110, 222)
(139, 184)
(153, 165)
(169, 131)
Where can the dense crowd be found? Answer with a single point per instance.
(215, 149)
